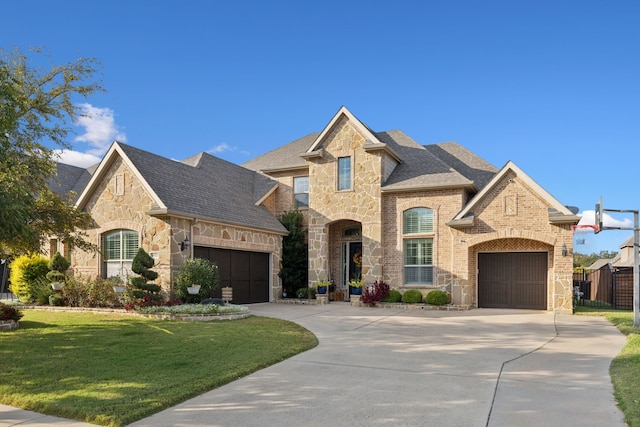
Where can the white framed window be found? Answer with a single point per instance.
(418, 262)
(119, 248)
(301, 192)
(418, 221)
(418, 246)
(344, 173)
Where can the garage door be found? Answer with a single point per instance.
(512, 280)
(246, 272)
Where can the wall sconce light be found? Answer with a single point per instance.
(184, 244)
(564, 249)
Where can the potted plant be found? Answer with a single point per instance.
(200, 273)
(322, 286)
(355, 286)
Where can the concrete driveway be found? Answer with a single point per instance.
(390, 367)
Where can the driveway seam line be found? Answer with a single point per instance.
(495, 390)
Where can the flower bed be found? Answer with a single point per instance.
(195, 312)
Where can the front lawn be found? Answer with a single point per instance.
(114, 369)
(625, 368)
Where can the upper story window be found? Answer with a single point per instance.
(301, 192)
(418, 221)
(344, 173)
(120, 246)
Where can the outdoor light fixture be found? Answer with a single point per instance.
(184, 244)
(564, 249)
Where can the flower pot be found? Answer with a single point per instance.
(118, 289)
(355, 291)
(322, 289)
(193, 289)
(57, 286)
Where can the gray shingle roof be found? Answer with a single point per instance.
(439, 165)
(69, 178)
(207, 187)
(464, 161)
(420, 168)
(285, 157)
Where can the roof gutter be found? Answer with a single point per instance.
(156, 212)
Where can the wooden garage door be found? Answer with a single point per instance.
(512, 280)
(246, 272)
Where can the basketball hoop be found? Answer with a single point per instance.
(585, 228)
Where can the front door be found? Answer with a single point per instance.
(351, 262)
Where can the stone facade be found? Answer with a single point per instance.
(504, 218)
(121, 200)
(510, 214)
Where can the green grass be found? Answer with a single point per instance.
(625, 368)
(113, 369)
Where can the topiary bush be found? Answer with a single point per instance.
(142, 264)
(27, 274)
(197, 271)
(58, 265)
(412, 296)
(437, 297)
(394, 296)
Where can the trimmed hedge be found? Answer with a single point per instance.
(437, 297)
(412, 296)
(394, 296)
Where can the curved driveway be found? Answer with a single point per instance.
(391, 367)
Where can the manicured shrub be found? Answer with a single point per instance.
(436, 297)
(59, 263)
(412, 296)
(142, 264)
(8, 312)
(27, 274)
(394, 296)
(197, 271)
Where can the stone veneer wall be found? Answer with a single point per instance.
(226, 236)
(120, 201)
(362, 203)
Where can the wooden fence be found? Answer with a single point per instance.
(606, 288)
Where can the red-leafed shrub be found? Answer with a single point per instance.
(375, 293)
(8, 312)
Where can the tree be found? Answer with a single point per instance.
(294, 271)
(583, 260)
(36, 111)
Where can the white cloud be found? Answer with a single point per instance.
(589, 218)
(100, 128)
(76, 158)
(226, 148)
(221, 148)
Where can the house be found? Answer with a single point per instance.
(377, 205)
(624, 259)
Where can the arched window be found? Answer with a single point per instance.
(119, 248)
(418, 247)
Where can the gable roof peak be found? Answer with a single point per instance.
(358, 124)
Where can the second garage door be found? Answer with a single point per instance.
(512, 280)
(246, 272)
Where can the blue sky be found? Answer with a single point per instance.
(553, 86)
